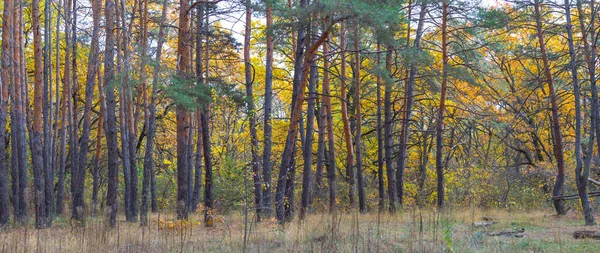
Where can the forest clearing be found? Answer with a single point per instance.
(299, 125)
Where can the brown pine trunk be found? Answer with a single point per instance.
(183, 54)
(300, 80)
(558, 149)
(36, 136)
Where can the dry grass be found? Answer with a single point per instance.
(410, 231)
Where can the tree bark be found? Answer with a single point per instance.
(267, 129)
(387, 128)
(345, 119)
(331, 169)
(358, 114)
(380, 180)
(254, 164)
(582, 171)
(558, 151)
(439, 166)
(308, 139)
(111, 119)
(37, 159)
(7, 78)
(409, 94)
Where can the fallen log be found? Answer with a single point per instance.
(484, 223)
(575, 196)
(585, 234)
(519, 233)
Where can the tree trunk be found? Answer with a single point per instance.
(308, 139)
(48, 141)
(357, 62)
(289, 149)
(267, 131)
(582, 174)
(387, 130)
(380, 180)
(37, 159)
(331, 169)
(558, 152)
(301, 67)
(183, 54)
(7, 78)
(409, 94)
(208, 175)
(89, 93)
(111, 119)
(439, 166)
(345, 119)
(96, 168)
(254, 164)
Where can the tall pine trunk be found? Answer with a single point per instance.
(7, 66)
(410, 99)
(582, 171)
(439, 166)
(267, 166)
(111, 119)
(362, 204)
(558, 149)
(37, 159)
(254, 164)
(350, 178)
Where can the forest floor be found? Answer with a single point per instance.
(409, 231)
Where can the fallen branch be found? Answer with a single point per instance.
(519, 233)
(594, 181)
(584, 234)
(575, 196)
